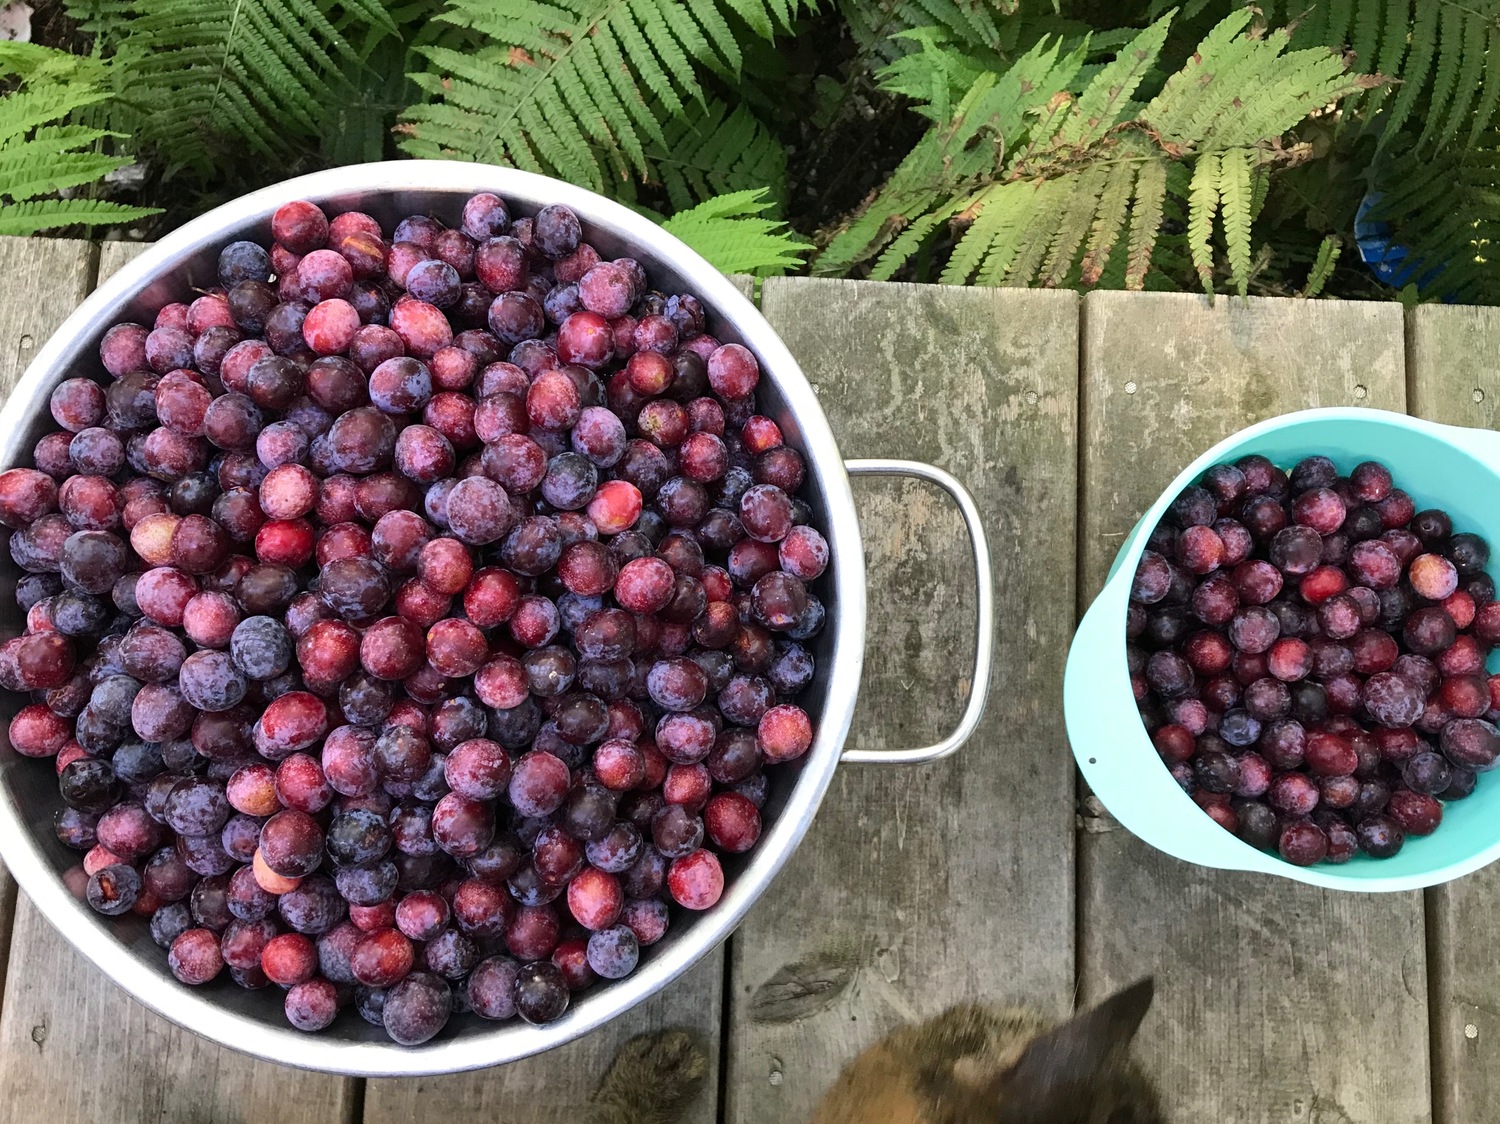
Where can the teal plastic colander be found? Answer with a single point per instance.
(1440, 466)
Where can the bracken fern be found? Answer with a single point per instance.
(204, 78)
(576, 88)
(41, 157)
(710, 149)
(1432, 174)
(1040, 185)
(1443, 54)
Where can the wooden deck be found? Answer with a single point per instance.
(981, 877)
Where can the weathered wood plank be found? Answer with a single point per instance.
(44, 281)
(920, 887)
(113, 255)
(557, 1085)
(1453, 375)
(60, 1009)
(1305, 1004)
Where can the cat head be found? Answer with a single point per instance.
(1079, 1072)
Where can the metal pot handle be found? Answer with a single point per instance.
(984, 641)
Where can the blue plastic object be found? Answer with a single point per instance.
(1387, 260)
(1439, 466)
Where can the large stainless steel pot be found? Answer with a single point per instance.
(253, 1021)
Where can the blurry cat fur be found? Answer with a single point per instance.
(970, 1065)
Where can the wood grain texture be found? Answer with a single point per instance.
(557, 1085)
(44, 281)
(61, 1013)
(112, 255)
(1453, 374)
(919, 887)
(1275, 1001)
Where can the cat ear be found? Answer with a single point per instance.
(1074, 1053)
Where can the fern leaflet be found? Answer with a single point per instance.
(1104, 102)
(1419, 61)
(1202, 203)
(1076, 217)
(1109, 221)
(1445, 78)
(1489, 97)
(1031, 237)
(1322, 270)
(1236, 200)
(1366, 39)
(877, 26)
(990, 120)
(733, 234)
(1145, 220)
(1470, 74)
(1019, 205)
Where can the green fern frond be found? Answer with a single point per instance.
(1340, 18)
(1109, 221)
(35, 64)
(711, 150)
(1243, 90)
(1472, 42)
(579, 88)
(208, 77)
(1031, 236)
(1443, 207)
(1394, 35)
(1287, 90)
(49, 214)
(1203, 203)
(990, 213)
(766, 17)
(1489, 96)
(991, 120)
(39, 158)
(879, 27)
(1171, 110)
(1366, 38)
(934, 73)
(1076, 217)
(1237, 202)
(1449, 62)
(1328, 257)
(1441, 57)
(46, 166)
(733, 234)
(1043, 184)
(1145, 220)
(355, 130)
(1106, 100)
(908, 242)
